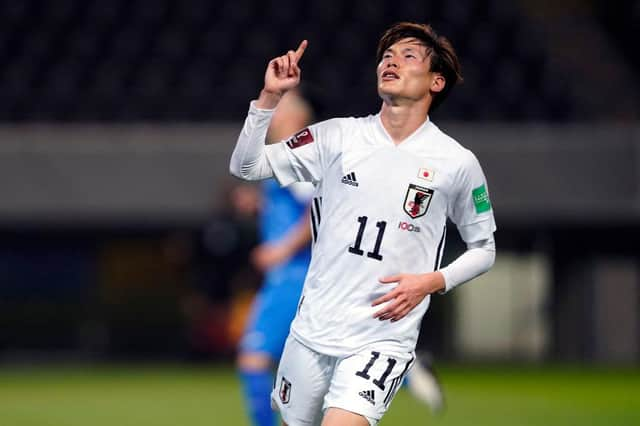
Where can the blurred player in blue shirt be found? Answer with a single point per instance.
(284, 257)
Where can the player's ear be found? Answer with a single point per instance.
(438, 83)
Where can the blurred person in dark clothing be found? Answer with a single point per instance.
(223, 274)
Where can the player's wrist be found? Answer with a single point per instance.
(269, 99)
(436, 282)
(441, 283)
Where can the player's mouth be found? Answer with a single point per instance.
(389, 75)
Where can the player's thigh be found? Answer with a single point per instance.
(340, 417)
(366, 382)
(302, 380)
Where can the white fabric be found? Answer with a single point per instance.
(302, 191)
(297, 401)
(305, 377)
(477, 260)
(367, 190)
(248, 160)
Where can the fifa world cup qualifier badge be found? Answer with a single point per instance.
(302, 138)
(417, 200)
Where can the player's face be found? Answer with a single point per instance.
(404, 72)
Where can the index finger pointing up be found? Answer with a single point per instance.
(300, 50)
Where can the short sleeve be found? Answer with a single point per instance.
(302, 191)
(470, 207)
(305, 156)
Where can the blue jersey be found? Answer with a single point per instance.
(277, 301)
(282, 209)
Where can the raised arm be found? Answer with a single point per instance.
(282, 75)
(248, 160)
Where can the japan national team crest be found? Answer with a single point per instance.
(417, 200)
(285, 390)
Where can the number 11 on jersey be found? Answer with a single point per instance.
(355, 248)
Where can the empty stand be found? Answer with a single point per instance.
(197, 60)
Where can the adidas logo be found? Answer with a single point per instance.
(350, 179)
(368, 395)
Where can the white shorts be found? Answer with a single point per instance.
(307, 383)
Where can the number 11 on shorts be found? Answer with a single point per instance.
(379, 382)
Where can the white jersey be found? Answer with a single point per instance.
(384, 211)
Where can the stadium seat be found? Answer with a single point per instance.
(196, 60)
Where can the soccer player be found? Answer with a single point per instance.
(389, 183)
(284, 257)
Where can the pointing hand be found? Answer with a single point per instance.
(283, 72)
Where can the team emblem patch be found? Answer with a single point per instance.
(417, 200)
(301, 138)
(285, 390)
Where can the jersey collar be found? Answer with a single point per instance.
(360, 149)
(418, 137)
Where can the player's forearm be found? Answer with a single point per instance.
(299, 236)
(477, 260)
(249, 160)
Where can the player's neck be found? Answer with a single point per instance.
(400, 121)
